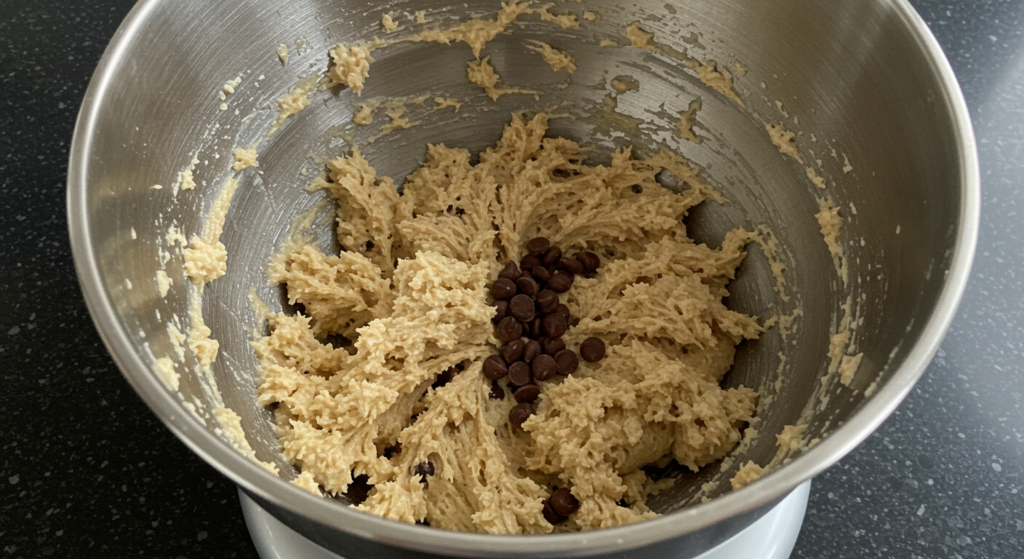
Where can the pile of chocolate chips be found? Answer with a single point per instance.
(527, 301)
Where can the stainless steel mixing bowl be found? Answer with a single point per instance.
(865, 79)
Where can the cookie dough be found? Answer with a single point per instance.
(353, 378)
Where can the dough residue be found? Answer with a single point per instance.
(623, 84)
(817, 179)
(364, 115)
(282, 53)
(784, 140)
(186, 181)
(848, 368)
(446, 103)
(707, 72)
(163, 282)
(205, 256)
(480, 72)
(557, 59)
(244, 158)
(747, 474)
(164, 369)
(638, 37)
(407, 299)
(231, 430)
(688, 119)
(294, 102)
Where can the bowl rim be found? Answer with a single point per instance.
(260, 483)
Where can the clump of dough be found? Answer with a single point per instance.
(747, 474)
(407, 298)
(350, 66)
(784, 140)
(244, 158)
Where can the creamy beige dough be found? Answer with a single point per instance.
(349, 66)
(407, 299)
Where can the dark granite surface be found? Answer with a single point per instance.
(86, 470)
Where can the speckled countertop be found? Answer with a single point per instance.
(86, 470)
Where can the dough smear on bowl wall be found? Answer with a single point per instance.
(527, 269)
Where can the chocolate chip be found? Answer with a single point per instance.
(520, 413)
(510, 329)
(497, 392)
(527, 286)
(536, 328)
(591, 262)
(553, 345)
(550, 515)
(424, 469)
(527, 393)
(528, 262)
(564, 311)
(495, 367)
(501, 311)
(503, 288)
(554, 325)
(541, 273)
(538, 246)
(519, 374)
(531, 350)
(513, 351)
(592, 349)
(551, 257)
(563, 502)
(510, 272)
(571, 265)
(522, 307)
(547, 301)
(543, 367)
(567, 362)
(560, 281)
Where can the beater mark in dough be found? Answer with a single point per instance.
(409, 293)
